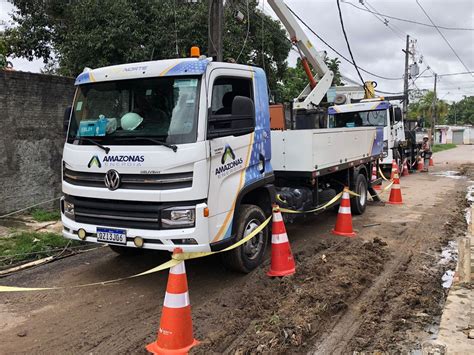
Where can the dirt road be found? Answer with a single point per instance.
(379, 291)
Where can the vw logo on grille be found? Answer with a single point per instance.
(112, 180)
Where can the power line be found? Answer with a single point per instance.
(336, 51)
(347, 43)
(264, 16)
(449, 74)
(383, 20)
(447, 42)
(409, 21)
(248, 31)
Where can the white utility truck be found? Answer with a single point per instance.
(179, 153)
(398, 142)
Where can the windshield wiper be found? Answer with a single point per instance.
(173, 147)
(107, 149)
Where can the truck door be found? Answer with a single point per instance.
(231, 137)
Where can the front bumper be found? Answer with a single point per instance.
(164, 239)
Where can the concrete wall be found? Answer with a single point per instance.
(31, 137)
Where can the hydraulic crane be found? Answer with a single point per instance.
(319, 84)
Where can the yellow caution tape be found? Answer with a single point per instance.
(384, 189)
(330, 202)
(382, 175)
(175, 260)
(161, 267)
(194, 255)
(352, 193)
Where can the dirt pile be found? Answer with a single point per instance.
(278, 315)
(409, 306)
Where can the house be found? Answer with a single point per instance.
(454, 134)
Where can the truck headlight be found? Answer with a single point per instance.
(385, 146)
(175, 217)
(69, 209)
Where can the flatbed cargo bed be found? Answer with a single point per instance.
(321, 151)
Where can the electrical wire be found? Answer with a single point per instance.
(175, 30)
(409, 21)
(441, 34)
(248, 31)
(209, 29)
(348, 45)
(419, 75)
(263, 16)
(383, 20)
(336, 51)
(449, 74)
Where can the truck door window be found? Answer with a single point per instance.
(224, 91)
(222, 120)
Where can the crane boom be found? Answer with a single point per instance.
(314, 92)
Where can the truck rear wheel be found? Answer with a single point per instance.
(249, 255)
(358, 203)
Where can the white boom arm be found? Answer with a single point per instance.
(314, 92)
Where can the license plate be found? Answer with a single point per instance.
(108, 235)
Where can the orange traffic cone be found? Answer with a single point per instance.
(175, 334)
(394, 169)
(374, 177)
(344, 218)
(283, 263)
(431, 162)
(420, 165)
(395, 192)
(406, 172)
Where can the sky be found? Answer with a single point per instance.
(377, 47)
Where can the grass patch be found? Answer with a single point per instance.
(441, 147)
(42, 215)
(30, 245)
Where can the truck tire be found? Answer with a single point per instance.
(358, 203)
(250, 255)
(125, 251)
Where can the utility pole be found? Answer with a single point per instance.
(216, 25)
(405, 78)
(433, 110)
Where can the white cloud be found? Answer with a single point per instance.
(379, 50)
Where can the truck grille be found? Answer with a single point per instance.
(117, 213)
(131, 181)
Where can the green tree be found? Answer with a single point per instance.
(3, 51)
(295, 79)
(333, 65)
(93, 33)
(422, 107)
(461, 112)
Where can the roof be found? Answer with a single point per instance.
(360, 106)
(167, 67)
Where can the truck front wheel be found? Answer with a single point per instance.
(249, 255)
(359, 203)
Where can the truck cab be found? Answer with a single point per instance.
(379, 113)
(170, 153)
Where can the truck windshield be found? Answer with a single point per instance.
(358, 119)
(161, 108)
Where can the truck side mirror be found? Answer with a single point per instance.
(67, 115)
(397, 114)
